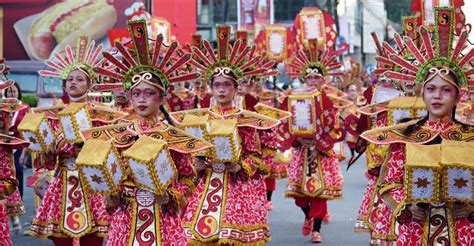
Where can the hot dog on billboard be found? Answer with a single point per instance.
(61, 24)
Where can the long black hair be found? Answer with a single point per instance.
(417, 125)
(10, 89)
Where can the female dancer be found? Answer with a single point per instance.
(147, 83)
(228, 206)
(314, 173)
(441, 73)
(66, 214)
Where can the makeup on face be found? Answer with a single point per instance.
(314, 81)
(146, 99)
(76, 83)
(223, 90)
(440, 98)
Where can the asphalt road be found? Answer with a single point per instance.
(285, 219)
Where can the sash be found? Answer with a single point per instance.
(439, 229)
(210, 211)
(76, 219)
(146, 227)
(313, 183)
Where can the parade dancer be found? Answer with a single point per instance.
(228, 206)
(147, 78)
(66, 214)
(9, 194)
(311, 180)
(14, 202)
(435, 143)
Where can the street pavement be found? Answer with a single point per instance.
(285, 219)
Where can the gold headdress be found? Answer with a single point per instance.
(319, 63)
(231, 61)
(84, 57)
(139, 66)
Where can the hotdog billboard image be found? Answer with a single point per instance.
(60, 23)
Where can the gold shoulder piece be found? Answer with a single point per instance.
(178, 139)
(50, 112)
(121, 134)
(105, 114)
(373, 109)
(459, 132)
(255, 120)
(395, 134)
(339, 102)
(178, 116)
(272, 112)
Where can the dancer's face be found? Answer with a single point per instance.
(77, 83)
(120, 96)
(314, 81)
(146, 100)
(440, 98)
(223, 90)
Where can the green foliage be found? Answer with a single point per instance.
(30, 100)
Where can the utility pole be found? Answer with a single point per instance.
(361, 19)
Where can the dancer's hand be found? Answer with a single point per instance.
(462, 211)
(418, 213)
(163, 199)
(233, 168)
(200, 164)
(112, 201)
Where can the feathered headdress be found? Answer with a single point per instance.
(239, 59)
(436, 57)
(84, 57)
(319, 63)
(7, 104)
(137, 67)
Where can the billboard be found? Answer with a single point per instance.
(34, 29)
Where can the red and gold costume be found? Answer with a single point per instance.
(66, 211)
(413, 152)
(16, 111)
(10, 201)
(8, 181)
(229, 208)
(138, 219)
(312, 184)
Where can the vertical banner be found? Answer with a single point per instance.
(246, 16)
(254, 14)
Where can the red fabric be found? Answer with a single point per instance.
(89, 240)
(4, 229)
(271, 184)
(318, 207)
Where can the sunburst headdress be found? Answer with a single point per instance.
(318, 63)
(231, 61)
(7, 104)
(438, 56)
(84, 57)
(139, 66)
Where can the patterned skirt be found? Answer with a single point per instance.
(227, 210)
(129, 223)
(15, 204)
(324, 182)
(66, 211)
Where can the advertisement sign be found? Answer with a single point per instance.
(57, 24)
